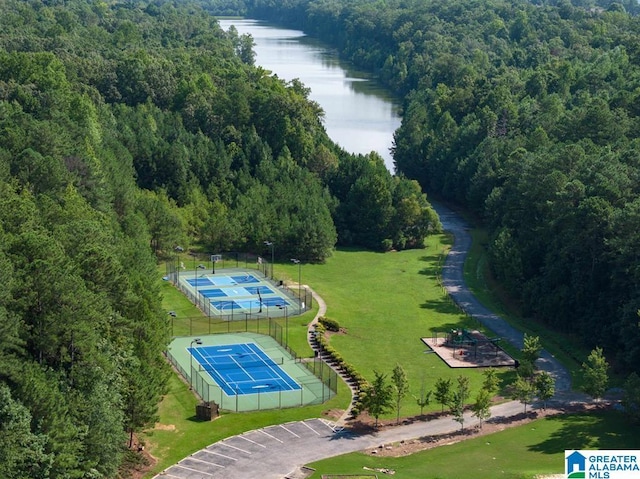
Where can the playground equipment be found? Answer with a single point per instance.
(464, 342)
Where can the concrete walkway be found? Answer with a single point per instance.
(278, 452)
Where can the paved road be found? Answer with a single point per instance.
(452, 278)
(277, 452)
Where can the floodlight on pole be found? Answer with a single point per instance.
(270, 245)
(299, 263)
(286, 322)
(197, 341)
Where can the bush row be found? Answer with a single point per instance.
(329, 324)
(361, 384)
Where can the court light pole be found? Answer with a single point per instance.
(297, 261)
(286, 323)
(200, 266)
(197, 341)
(270, 245)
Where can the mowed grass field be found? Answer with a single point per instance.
(387, 302)
(523, 452)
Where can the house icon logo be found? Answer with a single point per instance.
(575, 464)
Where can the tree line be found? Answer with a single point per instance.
(526, 114)
(385, 394)
(126, 129)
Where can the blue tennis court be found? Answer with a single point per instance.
(242, 369)
(236, 291)
(223, 280)
(228, 293)
(248, 304)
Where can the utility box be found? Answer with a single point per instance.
(206, 411)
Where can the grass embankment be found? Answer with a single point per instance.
(386, 303)
(522, 452)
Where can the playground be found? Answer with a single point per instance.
(464, 348)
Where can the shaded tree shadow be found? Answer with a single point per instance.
(197, 419)
(430, 272)
(446, 327)
(590, 430)
(441, 305)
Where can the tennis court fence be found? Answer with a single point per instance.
(318, 383)
(235, 262)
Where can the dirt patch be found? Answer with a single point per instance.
(333, 414)
(164, 427)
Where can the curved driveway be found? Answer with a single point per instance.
(452, 279)
(278, 452)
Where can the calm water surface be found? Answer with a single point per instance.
(359, 115)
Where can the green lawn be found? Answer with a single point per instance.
(387, 302)
(518, 453)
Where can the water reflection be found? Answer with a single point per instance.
(360, 116)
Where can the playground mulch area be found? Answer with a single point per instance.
(482, 353)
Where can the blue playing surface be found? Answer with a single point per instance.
(242, 369)
(241, 292)
(226, 292)
(223, 280)
(248, 304)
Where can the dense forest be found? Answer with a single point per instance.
(127, 129)
(526, 114)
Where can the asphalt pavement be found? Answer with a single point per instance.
(453, 282)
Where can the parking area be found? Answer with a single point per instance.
(239, 457)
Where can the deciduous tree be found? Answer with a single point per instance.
(400, 387)
(596, 374)
(482, 406)
(379, 396)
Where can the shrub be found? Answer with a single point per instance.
(329, 324)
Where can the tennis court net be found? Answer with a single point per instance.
(241, 364)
